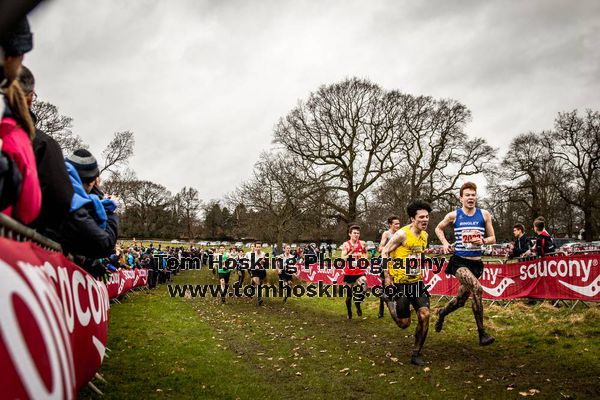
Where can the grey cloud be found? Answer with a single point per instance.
(202, 83)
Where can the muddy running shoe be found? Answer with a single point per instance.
(439, 324)
(485, 339)
(416, 359)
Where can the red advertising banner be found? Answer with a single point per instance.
(53, 323)
(575, 277)
(123, 280)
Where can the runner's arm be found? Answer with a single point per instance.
(396, 241)
(383, 241)
(344, 251)
(439, 230)
(392, 244)
(489, 228)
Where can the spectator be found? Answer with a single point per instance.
(91, 228)
(17, 131)
(544, 245)
(56, 188)
(521, 244)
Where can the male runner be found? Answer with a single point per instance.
(472, 229)
(223, 272)
(394, 225)
(285, 275)
(239, 268)
(353, 275)
(259, 273)
(409, 243)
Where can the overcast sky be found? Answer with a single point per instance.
(202, 83)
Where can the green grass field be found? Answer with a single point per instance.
(165, 347)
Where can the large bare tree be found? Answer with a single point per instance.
(576, 145)
(345, 136)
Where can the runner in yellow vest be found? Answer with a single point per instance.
(404, 275)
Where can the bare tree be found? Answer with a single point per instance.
(189, 206)
(576, 146)
(121, 184)
(49, 120)
(118, 151)
(279, 193)
(435, 155)
(345, 136)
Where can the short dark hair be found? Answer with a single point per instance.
(353, 227)
(417, 205)
(468, 185)
(520, 227)
(540, 223)
(392, 218)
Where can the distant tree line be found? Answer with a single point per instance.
(355, 152)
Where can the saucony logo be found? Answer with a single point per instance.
(434, 281)
(498, 290)
(334, 278)
(311, 276)
(590, 290)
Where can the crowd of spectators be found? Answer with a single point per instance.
(59, 197)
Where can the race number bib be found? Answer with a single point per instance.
(468, 237)
(414, 261)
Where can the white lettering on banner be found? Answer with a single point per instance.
(490, 274)
(553, 268)
(121, 285)
(96, 311)
(82, 316)
(590, 290)
(64, 284)
(114, 278)
(52, 328)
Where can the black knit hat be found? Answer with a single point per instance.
(85, 163)
(19, 40)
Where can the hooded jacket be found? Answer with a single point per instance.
(91, 229)
(17, 146)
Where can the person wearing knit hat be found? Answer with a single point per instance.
(86, 166)
(91, 228)
(14, 45)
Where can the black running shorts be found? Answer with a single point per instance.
(410, 293)
(475, 266)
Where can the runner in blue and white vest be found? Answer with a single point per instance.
(472, 229)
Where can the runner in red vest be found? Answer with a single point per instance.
(353, 275)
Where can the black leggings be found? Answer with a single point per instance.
(469, 287)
